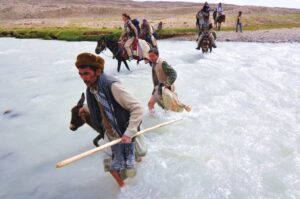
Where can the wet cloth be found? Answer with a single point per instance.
(168, 99)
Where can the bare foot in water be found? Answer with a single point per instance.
(118, 178)
(151, 104)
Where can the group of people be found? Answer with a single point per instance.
(119, 113)
(116, 111)
(205, 26)
(133, 31)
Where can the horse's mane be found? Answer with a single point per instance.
(107, 38)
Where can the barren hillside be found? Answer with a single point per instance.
(105, 13)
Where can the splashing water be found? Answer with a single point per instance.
(242, 139)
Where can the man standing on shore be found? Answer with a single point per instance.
(239, 22)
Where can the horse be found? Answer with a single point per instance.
(218, 20)
(206, 43)
(78, 121)
(119, 52)
(112, 45)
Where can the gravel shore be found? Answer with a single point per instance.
(271, 36)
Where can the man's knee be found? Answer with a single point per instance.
(127, 45)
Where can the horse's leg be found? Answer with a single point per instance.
(119, 65)
(125, 62)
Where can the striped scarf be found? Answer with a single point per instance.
(103, 97)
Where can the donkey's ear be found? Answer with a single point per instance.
(81, 101)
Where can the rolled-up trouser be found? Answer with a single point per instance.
(123, 157)
(127, 45)
(140, 146)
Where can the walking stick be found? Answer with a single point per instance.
(100, 148)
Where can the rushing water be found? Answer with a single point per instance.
(242, 139)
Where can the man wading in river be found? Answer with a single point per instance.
(164, 76)
(113, 110)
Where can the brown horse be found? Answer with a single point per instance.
(218, 20)
(118, 51)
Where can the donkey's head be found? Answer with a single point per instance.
(76, 120)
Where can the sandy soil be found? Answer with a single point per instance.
(107, 13)
(273, 36)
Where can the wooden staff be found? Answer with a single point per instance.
(100, 148)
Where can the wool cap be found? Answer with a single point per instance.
(90, 60)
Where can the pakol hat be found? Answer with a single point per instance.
(90, 60)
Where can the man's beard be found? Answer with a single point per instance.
(87, 83)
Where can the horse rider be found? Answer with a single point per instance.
(206, 9)
(219, 10)
(206, 29)
(147, 33)
(130, 33)
(199, 21)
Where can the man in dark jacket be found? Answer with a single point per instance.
(113, 110)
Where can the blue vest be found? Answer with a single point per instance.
(120, 114)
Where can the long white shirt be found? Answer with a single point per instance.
(219, 9)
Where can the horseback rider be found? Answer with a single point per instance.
(130, 33)
(199, 21)
(219, 10)
(206, 29)
(204, 12)
(147, 33)
(206, 9)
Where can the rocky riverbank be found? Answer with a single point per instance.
(272, 36)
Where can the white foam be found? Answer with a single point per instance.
(241, 140)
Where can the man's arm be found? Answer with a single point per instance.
(131, 104)
(134, 29)
(122, 35)
(170, 72)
